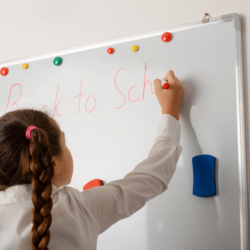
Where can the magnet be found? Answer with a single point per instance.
(25, 66)
(57, 61)
(93, 183)
(4, 71)
(166, 37)
(134, 48)
(110, 50)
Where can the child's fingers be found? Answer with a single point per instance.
(170, 77)
(179, 83)
(157, 84)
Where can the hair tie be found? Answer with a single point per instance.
(29, 129)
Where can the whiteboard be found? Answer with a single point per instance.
(107, 107)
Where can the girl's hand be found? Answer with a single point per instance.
(170, 99)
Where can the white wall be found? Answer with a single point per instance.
(31, 27)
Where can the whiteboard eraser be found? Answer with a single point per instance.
(204, 175)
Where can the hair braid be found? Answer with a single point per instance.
(25, 161)
(42, 173)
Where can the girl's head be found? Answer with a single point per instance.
(42, 161)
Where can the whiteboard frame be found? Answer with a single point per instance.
(241, 135)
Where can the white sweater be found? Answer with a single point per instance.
(79, 217)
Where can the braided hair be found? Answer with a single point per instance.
(24, 161)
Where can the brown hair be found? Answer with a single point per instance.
(30, 162)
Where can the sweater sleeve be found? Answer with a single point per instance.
(121, 198)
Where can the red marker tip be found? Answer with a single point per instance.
(166, 85)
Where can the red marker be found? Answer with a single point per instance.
(165, 85)
(93, 183)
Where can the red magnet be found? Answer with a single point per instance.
(166, 37)
(93, 183)
(4, 71)
(166, 85)
(110, 50)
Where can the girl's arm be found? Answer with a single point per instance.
(121, 198)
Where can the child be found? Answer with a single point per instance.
(35, 163)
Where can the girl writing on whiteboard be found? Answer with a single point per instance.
(35, 162)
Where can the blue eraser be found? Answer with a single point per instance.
(204, 175)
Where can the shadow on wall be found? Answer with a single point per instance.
(177, 219)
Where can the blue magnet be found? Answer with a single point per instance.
(204, 175)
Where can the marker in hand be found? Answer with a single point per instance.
(165, 85)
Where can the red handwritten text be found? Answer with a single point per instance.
(128, 95)
(56, 104)
(119, 91)
(43, 107)
(146, 83)
(14, 103)
(87, 103)
(79, 98)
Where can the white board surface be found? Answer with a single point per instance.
(109, 132)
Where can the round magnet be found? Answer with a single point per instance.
(166, 37)
(4, 71)
(57, 61)
(110, 50)
(134, 48)
(25, 66)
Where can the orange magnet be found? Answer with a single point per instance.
(93, 183)
(110, 50)
(166, 37)
(4, 71)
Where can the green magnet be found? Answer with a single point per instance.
(57, 61)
